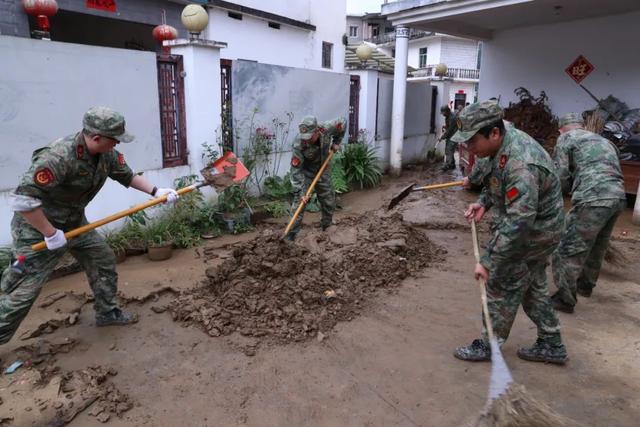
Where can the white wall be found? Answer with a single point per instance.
(46, 87)
(252, 39)
(468, 88)
(434, 48)
(536, 57)
(459, 53)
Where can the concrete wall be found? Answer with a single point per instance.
(252, 39)
(41, 100)
(264, 92)
(368, 100)
(434, 51)
(536, 57)
(459, 53)
(417, 140)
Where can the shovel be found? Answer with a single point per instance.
(411, 188)
(223, 173)
(308, 193)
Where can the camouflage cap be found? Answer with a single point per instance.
(570, 118)
(307, 126)
(445, 108)
(476, 116)
(106, 122)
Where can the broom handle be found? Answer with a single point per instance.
(313, 184)
(438, 186)
(483, 286)
(99, 223)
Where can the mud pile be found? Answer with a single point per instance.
(294, 291)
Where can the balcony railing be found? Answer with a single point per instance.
(391, 37)
(453, 73)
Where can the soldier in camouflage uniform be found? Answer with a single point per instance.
(310, 148)
(50, 200)
(450, 130)
(525, 194)
(589, 169)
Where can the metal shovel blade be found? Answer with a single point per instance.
(403, 194)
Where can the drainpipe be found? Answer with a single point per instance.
(399, 99)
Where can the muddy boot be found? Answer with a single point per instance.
(584, 291)
(543, 351)
(116, 317)
(478, 351)
(560, 305)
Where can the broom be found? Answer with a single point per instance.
(509, 403)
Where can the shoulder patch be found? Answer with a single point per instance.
(121, 159)
(295, 161)
(512, 194)
(79, 151)
(503, 161)
(339, 126)
(43, 176)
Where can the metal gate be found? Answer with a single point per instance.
(172, 113)
(354, 107)
(227, 116)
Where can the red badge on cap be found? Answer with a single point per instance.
(503, 161)
(295, 162)
(512, 194)
(121, 159)
(80, 151)
(43, 176)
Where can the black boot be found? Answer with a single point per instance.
(478, 351)
(584, 291)
(116, 317)
(560, 305)
(543, 351)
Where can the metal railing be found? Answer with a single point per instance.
(453, 73)
(391, 37)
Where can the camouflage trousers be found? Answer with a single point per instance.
(19, 290)
(449, 151)
(584, 242)
(326, 197)
(521, 281)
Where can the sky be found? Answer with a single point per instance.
(362, 6)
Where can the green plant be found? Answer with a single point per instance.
(240, 228)
(277, 209)
(233, 199)
(360, 165)
(117, 241)
(158, 233)
(338, 176)
(209, 154)
(278, 188)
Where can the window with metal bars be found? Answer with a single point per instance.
(327, 53)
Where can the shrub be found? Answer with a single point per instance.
(360, 165)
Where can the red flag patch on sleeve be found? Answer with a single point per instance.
(512, 194)
(121, 159)
(295, 162)
(43, 176)
(339, 126)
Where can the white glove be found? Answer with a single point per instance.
(172, 195)
(56, 240)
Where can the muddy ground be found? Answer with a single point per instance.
(307, 345)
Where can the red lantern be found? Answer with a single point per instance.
(42, 10)
(164, 32)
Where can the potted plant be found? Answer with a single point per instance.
(233, 209)
(159, 240)
(118, 243)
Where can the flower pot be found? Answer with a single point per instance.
(160, 252)
(230, 220)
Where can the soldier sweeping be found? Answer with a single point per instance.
(525, 194)
(589, 169)
(310, 148)
(50, 199)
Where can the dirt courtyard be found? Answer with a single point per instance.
(370, 345)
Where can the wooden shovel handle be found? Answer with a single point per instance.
(88, 227)
(313, 184)
(438, 186)
(483, 285)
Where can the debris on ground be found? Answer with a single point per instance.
(288, 292)
(533, 116)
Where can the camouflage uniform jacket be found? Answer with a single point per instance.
(65, 177)
(525, 194)
(588, 167)
(451, 126)
(307, 157)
